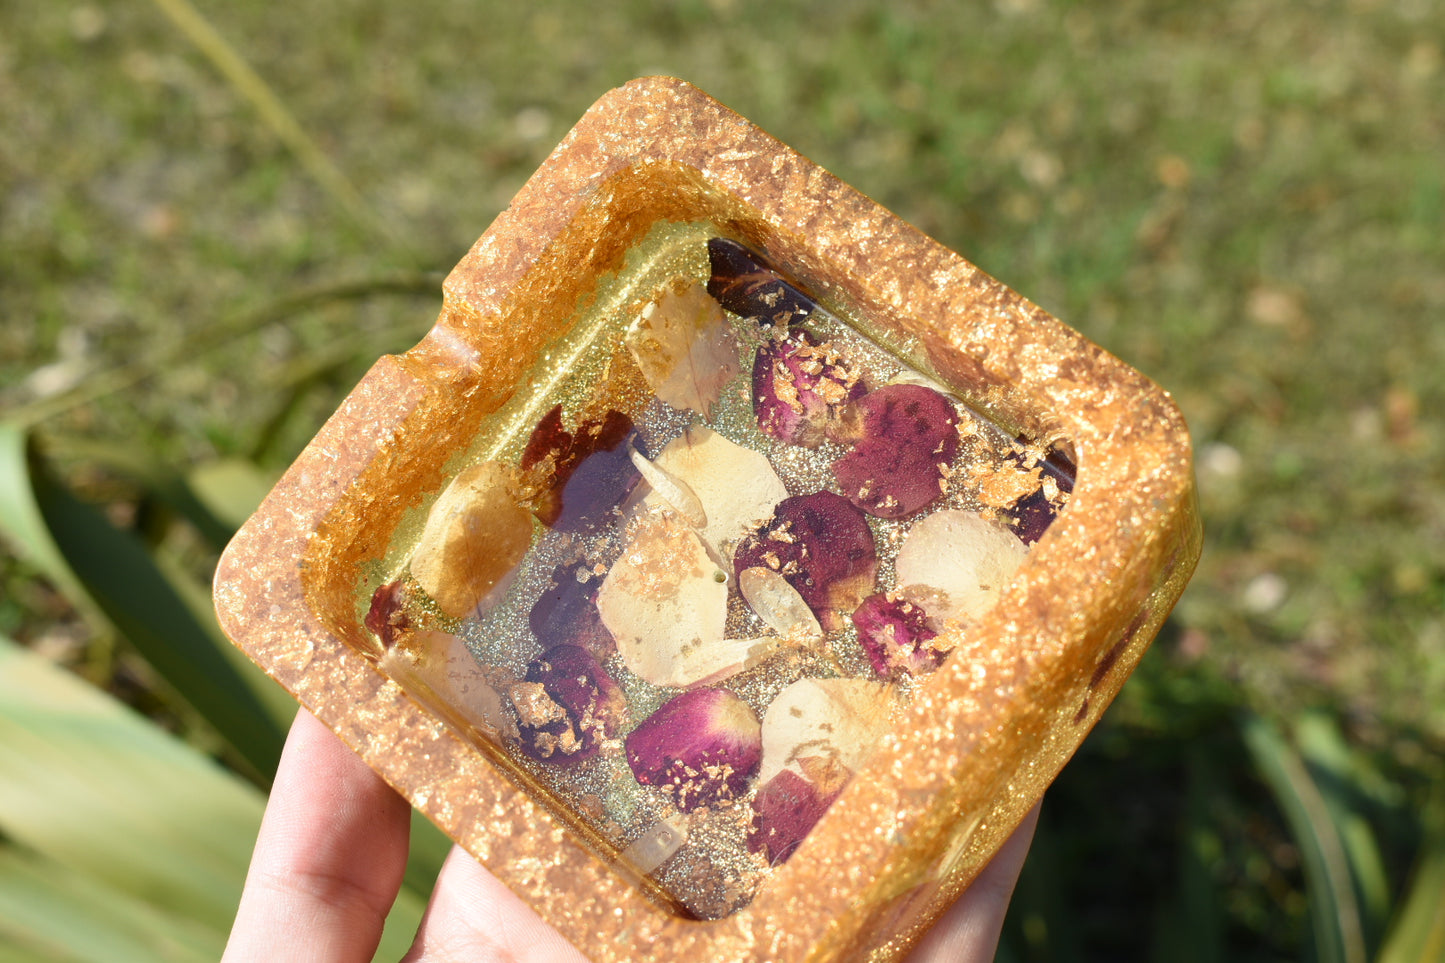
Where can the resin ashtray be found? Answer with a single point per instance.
(731, 567)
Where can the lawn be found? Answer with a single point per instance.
(1244, 200)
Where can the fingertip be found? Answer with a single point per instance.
(329, 857)
(968, 931)
(474, 916)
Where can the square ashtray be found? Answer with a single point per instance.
(731, 567)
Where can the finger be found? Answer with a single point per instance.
(473, 917)
(968, 931)
(328, 860)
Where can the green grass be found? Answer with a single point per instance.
(1244, 200)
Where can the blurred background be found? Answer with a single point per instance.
(213, 218)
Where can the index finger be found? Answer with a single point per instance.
(968, 931)
(329, 858)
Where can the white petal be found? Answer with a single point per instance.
(672, 490)
(475, 535)
(685, 348)
(840, 719)
(954, 564)
(665, 602)
(438, 670)
(736, 486)
(778, 604)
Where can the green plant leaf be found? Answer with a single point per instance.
(1418, 933)
(137, 844)
(110, 570)
(135, 464)
(429, 848)
(1190, 926)
(23, 525)
(93, 786)
(1040, 918)
(51, 912)
(1346, 782)
(1334, 906)
(274, 113)
(401, 926)
(230, 488)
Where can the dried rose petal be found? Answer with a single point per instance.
(1035, 512)
(554, 449)
(778, 604)
(566, 706)
(736, 486)
(904, 439)
(665, 602)
(744, 285)
(600, 483)
(895, 636)
(566, 612)
(786, 809)
(673, 491)
(955, 563)
(550, 442)
(834, 722)
(387, 615)
(816, 734)
(800, 386)
(701, 748)
(437, 669)
(822, 545)
(475, 535)
(685, 348)
(574, 479)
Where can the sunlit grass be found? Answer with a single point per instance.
(1243, 199)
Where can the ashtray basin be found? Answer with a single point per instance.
(732, 566)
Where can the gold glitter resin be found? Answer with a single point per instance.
(622, 208)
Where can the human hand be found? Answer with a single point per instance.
(332, 850)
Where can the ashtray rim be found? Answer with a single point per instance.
(1132, 516)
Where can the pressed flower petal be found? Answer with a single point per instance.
(474, 537)
(674, 492)
(437, 668)
(904, 438)
(823, 546)
(896, 637)
(665, 603)
(685, 348)
(785, 810)
(701, 747)
(778, 604)
(835, 719)
(746, 286)
(800, 386)
(736, 486)
(566, 706)
(954, 564)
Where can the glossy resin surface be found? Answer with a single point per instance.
(695, 596)
(546, 571)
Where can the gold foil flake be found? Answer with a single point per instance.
(1001, 487)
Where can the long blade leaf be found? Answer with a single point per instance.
(111, 570)
(1418, 935)
(1334, 908)
(23, 526)
(92, 785)
(50, 912)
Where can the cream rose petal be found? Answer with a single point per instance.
(953, 564)
(838, 720)
(665, 602)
